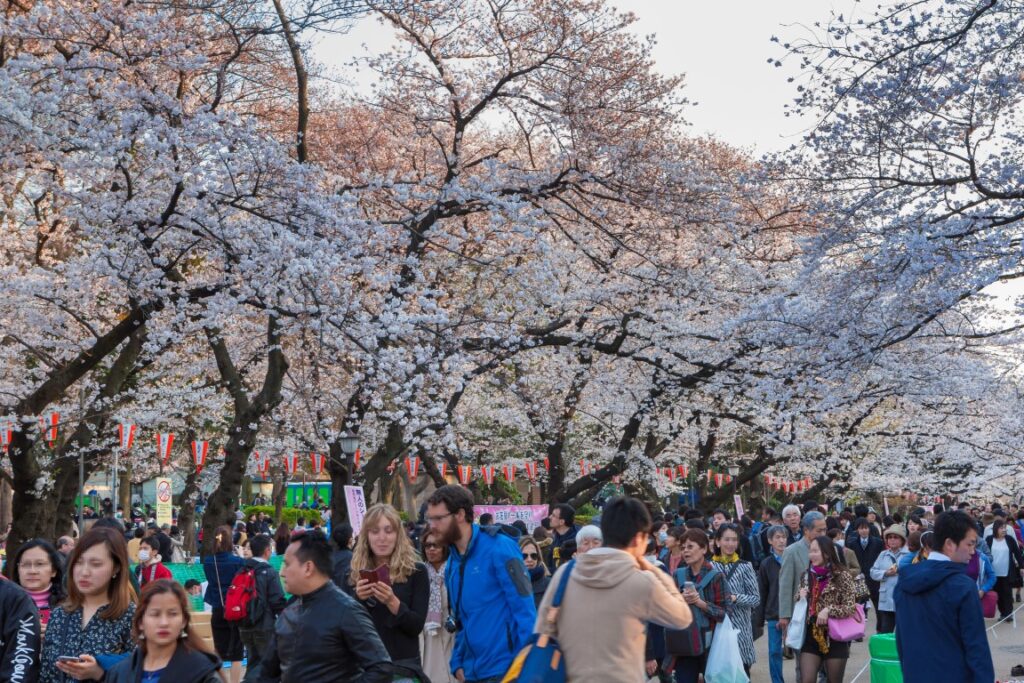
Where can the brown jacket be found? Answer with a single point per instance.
(840, 595)
(602, 623)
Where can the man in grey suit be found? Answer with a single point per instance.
(794, 565)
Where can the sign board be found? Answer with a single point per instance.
(506, 514)
(356, 502)
(738, 500)
(163, 501)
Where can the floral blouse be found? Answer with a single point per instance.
(66, 637)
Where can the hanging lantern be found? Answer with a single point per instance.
(199, 451)
(291, 463)
(531, 470)
(126, 433)
(444, 470)
(6, 436)
(355, 463)
(509, 471)
(718, 479)
(49, 428)
(487, 472)
(318, 462)
(412, 466)
(465, 474)
(683, 471)
(163, 447)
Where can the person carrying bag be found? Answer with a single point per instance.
(703, 588)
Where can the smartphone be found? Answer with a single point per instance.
(70, 660)
(384, 574)
(368, 575)
(689, 586)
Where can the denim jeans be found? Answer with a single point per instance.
(774, 650)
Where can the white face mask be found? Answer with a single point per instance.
(143, 556)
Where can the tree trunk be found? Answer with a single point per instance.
(6, 501)
(187, 511)
(338, 466)
(248, 413)
(37, 511)
(279, 493)
(124, 487)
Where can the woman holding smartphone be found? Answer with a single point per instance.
(38, 569)
(391, 584)
(91, 630)
(169, 651)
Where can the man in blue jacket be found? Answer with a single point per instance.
(489, 590)
(940, 632)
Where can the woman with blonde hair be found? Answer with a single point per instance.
(396, 597)
(93, 624)
(540, 577)
(169, 650)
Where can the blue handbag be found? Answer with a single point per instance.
(541, 661)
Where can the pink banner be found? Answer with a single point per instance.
(506, 514)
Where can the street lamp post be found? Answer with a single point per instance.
(734, 472)
(349, 445)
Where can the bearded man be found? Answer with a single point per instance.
(489, 589)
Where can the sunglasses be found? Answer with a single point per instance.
(432, 546)
(531, 556)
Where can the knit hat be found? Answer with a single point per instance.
(896, 530)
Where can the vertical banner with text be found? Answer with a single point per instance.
(356, 502)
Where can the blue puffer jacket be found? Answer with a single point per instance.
(940, 633)
(495, 606)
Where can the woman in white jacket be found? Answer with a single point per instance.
(886, 572)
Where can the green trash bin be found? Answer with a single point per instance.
(885, 659)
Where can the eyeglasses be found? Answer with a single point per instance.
(432, 546)
(29, 566)
(531, 556)
(432, 519)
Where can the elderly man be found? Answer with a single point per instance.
(588, 538)
(794, 564)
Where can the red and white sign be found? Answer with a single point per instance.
(126, 433)
(49, 428)
(465, 474)
(163, 447)
(318, 462)
(291, 463)
(412, 466)
(199, 452)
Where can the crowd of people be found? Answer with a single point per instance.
(642, 594)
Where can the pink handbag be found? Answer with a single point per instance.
(988, 604)
(848, 628)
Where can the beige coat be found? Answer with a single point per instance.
(602, 623)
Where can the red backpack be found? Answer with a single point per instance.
(238, 602)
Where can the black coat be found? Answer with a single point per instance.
(186, 666)
(342, 561)
(1016, 558)
(325, 637)
(866, 556)
(400, 632)
(768, 586)
(20, 643)
(269, 594)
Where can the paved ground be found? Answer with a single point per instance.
(1006, 641)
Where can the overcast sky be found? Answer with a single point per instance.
(721, 47)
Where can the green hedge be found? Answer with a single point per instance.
(289, 515)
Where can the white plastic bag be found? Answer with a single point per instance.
(725, 664)
(795, 632)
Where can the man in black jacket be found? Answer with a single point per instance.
(341, 559)
(767, 613)
(867, 548)
(324, 635)
(267, 602)
(19, 635)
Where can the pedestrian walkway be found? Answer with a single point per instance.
(1006, 642)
